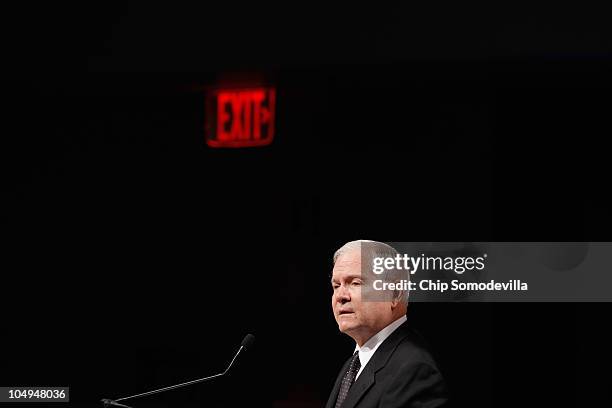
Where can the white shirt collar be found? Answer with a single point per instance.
(369, 348)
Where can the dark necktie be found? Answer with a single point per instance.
(348, 379)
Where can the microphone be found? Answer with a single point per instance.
(246, 343)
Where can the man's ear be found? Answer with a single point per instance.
(397, 298)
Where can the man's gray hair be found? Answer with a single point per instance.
(374, 249)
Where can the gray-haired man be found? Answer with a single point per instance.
(390, 366)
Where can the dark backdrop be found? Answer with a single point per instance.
(135, 256)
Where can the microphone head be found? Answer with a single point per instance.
(248, 341)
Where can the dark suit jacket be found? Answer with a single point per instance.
(401, 373)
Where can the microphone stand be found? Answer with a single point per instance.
(108, 403)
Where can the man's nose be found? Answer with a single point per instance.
(342, 295)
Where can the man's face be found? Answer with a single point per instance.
(359, 319)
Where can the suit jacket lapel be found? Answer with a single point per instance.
(386, 349)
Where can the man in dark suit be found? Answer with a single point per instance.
(391, 366)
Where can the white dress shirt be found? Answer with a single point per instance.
(369, 348)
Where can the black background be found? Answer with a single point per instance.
(136, 257)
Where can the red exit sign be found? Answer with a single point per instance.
(241, 117)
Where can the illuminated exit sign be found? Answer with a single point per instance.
(240, 117)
